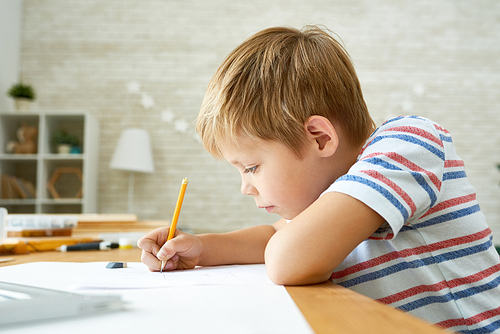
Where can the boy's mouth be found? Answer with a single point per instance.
(269, 209)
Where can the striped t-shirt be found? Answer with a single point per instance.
(434, 257)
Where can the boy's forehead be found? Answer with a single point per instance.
(241, 149)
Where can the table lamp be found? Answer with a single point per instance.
(133, 153)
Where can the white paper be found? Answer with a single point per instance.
(137, 275)
(95, 275)
(223, 304)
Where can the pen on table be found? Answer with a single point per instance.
(96, 245)
(177, 211)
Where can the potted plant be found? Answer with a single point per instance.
(23, 96)
(66, 143)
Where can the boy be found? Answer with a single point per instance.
(388, 213)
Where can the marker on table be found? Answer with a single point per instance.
(102, 245)
(177, 211)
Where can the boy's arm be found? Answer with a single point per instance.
(186, 251)
(308, 249)
(238, 247)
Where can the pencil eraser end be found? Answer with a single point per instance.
(115, 265)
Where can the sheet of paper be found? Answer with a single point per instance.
(136, 275)
(222, 304)
(94, 275)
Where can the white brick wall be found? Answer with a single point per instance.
(438, 59)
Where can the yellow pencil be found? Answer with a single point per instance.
(177, 211)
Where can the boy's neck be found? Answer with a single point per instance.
(344, 158)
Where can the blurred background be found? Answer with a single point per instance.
(147, 63)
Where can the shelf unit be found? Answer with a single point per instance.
(38, 168)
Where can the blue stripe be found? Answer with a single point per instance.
(454, 175)
(416, 264)
(450, 296)
(442, 136)
(445, 138)
(380, 162)
(478, 289)
(416, 175)
(419, 118)
(395, 119)
(411, 139)
(383, 191)
(490, 328)
(449, 216)
(426, 301)
(428, 189)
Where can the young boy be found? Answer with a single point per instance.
(387, 212)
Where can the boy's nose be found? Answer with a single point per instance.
(248, 189)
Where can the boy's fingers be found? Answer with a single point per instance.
(170, 248)
(150, 261)
(153, 253)
(150, 241)
(147, 244)
(161, 254)
(172, 263)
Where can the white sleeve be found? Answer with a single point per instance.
(399, 172)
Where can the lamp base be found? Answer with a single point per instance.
(130, 192)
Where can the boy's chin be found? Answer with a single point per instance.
(287, 217)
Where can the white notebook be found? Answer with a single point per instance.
(22, 303)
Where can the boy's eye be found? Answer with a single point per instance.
(250, 170)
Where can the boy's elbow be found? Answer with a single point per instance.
(289, 274)
(277, 276)
(286, 265)
(282, 277)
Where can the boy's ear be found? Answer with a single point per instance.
(320, 130)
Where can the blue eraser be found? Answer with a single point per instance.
(114, 265)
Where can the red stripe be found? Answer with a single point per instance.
(407, 163)
(453, 163)
(470, 321)
(440, 286)
(441, 129)
(451, 203)
(417, 131)
(411, 251)
(388, 236)
(412, 130)
(393, 186)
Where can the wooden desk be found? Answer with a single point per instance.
(328, 308)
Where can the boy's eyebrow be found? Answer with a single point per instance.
(239, 161)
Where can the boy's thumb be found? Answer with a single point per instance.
(162, 253)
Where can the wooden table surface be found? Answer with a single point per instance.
(328, 308)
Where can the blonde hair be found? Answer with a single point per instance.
(273, 82)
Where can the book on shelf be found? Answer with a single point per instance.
(16, 187)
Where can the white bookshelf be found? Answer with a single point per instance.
(38, 168)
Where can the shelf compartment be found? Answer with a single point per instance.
(20, 175)
(10, 123)
(72, 124)
(67, 185)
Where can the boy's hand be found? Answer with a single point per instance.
(181, 252)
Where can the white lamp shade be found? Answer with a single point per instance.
(133, 152)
